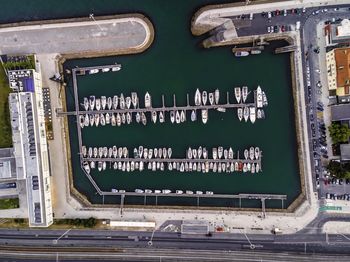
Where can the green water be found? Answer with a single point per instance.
(175, 64)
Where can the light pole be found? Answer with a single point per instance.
(55, 241)
(92, 17)
(252, 246)
(150, 243)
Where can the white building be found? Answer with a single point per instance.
(30, 144)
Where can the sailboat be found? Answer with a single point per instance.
(204, 116)
(197, 97)
(177, 117)
(238, 94)
(193, 115)
(134, 99)
(154, 116)
(115, 102)
(183, 116)
(204, 97)
(128, 102)
(103, 102)
(143, 118)
(252, 114)
(217, 96)
(98, 104)
(211, 98)
(86, 104)
(138, 117)
(121, 101)
(161, 117)
(92, 102)
(240, 113)
(148, 100)
(246, 113)
(172, 117)
(109, 103)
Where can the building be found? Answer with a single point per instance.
(7, 164)
(345, 152)
(338, 32)
(30, 144)
(340, 112)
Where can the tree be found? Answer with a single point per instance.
(336, 169)
(339, 133)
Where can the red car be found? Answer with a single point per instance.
(277, 12)
(283, 28)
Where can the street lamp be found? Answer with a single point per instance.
(150, 243)
(252, 246)
(92, 17)
(55, 241)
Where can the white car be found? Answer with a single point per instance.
(284, 12)
(268, 29)
(269, 15)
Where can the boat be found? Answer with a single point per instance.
(143, 118)
(138, 117)
(113, 120)
(200, 151)
(194, 153)
(220, 152)
(244, 93)
(189, 192)
(132, 166)
(257, 168)
(172, 117)
(240, 113)
(105, 151)
(199, 192)
(265, 103)
(108, 119)
(205, 153)
(134, 99)
(116, 68)
(83, 151)
(164, 152)
(237, 91)
(95, 152)
(139, 191)
(148, 191)
(258, 114)
(97, 119)
(251, 153)
(170, 167)
(155, 151)
(252, 169)
(252, 114)
(215, 153)
(161, 117)
(92, 102)
(115, 102)
(179, 192)
(160, 152)
(103, 102)
(182, 167)
(150, 153)
(148, 100)
(204, 97)
(246, 153)
(92, 119)
(120, 152)
(259, 98)
(98, 104)
(246, 113)
(86, 104)
(81, 121)
(193, 115)
(99, 166)
(92, 165)
(86, 120)
(204, 116)
(128, 118)
(123, 117)
(145, 153)
(230, 153)
(166, 191)
(211, 98)
(93, 71)
(257, 153)
(182, 116)
(105, 70)
(115, 151)
(236, 166)
(104, 165)
(154, 116)
(262, 113)
(216, 96)
(197, 98)
(119, 119)
(221, 109)
(245, 168)
(141, 166)
(109, 103)
(255, 51)
(102, 119)
(209, 192)
(170, 152)
(90, 152)
(189, 153)
(140, 151)
(177, 117)
(110, 152)
(241, 53)
(128, 102)
(125, 152)
(121, 101)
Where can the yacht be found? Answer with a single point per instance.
(221, 109)
(259, 97)
(154, 116)
(119, 119)
(238, 94)
(204, 97)
(95, 150)
(246, 113)
(148, 100)
(143, 118)
(205, 153)
(262, 113)
(92, 120)
(182, 116)
(113, 120)
(246, 153)
(265, 103)
(81, 121)
(189, 153)
(86, 120)
(128, 102)
(166, 191)
(193, 115)
(100, 152)
(84, 151)
(86, 167)
(161, 117)
(109, 103)
(92, 164)
(252, 114)
(125, 152)
(217, 96)
(257, 153)
(115, 151)
(93, 71)
(99, 166)
(140, 191)
(172, 117)
(121, 101)
(204, 116)
(170, 167)
(244, 93)
(230, 153)
(136, 153)
(211, 98)
(86, 104)
(236, 166)
(102, 120)
(170, 152)
(138, 117)
(98, 104)
(134, 99)
(115, 102)
(141, 166)
(155, 151)
(257, 168)
(240, 113)
(103, 102)
(200, 151)
(104, 165)
(140, 151)
(108, 119)
(92, 102)
(220, 152)
(90, 152)
(215, 153)
(128, 118)
(251, 153)
(197, 98)
(177, 117)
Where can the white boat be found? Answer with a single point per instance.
(252, 169)
(230, 153)
(109, 103)
(104, 165)
(154, 116)
(216, 96)
(110, 152)
(83, 151)
(204, 97)
(86, 167)
(166, 191)
(140, 151)
(92, 165)
(221, 109)
(92, 102)
(240, 113)
(200, 151)
(108, 119)
(99, 166)
(102, 120)
(134, 99)
(220, 152)
(86, 120)
(86, 104)
(183, 116)
(105, 151)
(265, 103)
(179, 192)
(115, 151)
(197, 98)
(123, 116)
(257, 153)
(193, 115)
(199, 192)
(165, 151)
(172, 117)
(204, 116)
(115, 102)
(95, 152)
(262, 113)
(120, 152)
(215, 153)
(148, 100)
(98, 104)
(241, 53)
(138, 117)
(259, 98)
(251, 153)
(103, 102)
(177, 117)
(128, 118)
(257, 168)
(238, 94)
(128, 102)
(121, 101)
(113, 120)
(116, 68)
(160, 152)
(205, 153)
(148, 191)
(209, 192)
(93, 71)
(143, 118)
(189, 153)
(97, 119)
(161, 117)
(139, 191)
(211, 98)
(246, 153)
(258, 114)
(81, 121)
(90, 152)
(244, 93)
(246, 113)
(119, 119)
(252, 114)
(92, 119)
(105, 70)
(189, 192)
(245, 168)
(170, 152)
(141, 166)
(150, 153)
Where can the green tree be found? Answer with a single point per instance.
(336, 169)
(339, 133)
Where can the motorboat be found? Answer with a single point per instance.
(86, 103)
(110, 152)
(132, 166)
(121, 101)
(221, 109)
(246, 113)
(240, 113)
(262, 113)
(170, 152)
(150, 153)
(216, 96)
(102, 120)
(148, 100)
(215, 153)
(166, 191)
(139, 191)
(246, 153)
(225, 153)
(115, 102)
(123, 116)
(154, 116)
(128, 102)
(241, 53)
(148, 191)
(252, 114)
(259, 97)
(145, 153)
(204, 97)
(251, 153)
(119, 119)
(155, 152)
(230, 153)
(116, 68)
(211, 98)
(161, 117)
(138, 117)
(120, 152)
(220, 152)
(125, 152)
(97, 119)
(258, 114)
(99, 166)
(199, 192)
(197, 98)
(105, 70)
(182, 167)
(193, 115)
(95, 152)
(265, 103)
(189, 192)
(86, 167)
(205, 153)
(86, 120)
(160, 152)
(113, 120)
(83, 151)
(140, 151)
(200, 151)
(103, 102)
(143, 118)
(237, 91)
(209, 192)
(141, 166)
(257, 168)
(236, 166)
(165, 152)
(257, 153)
(92, 165)
(244, 93)
(115, 151)
(136, 153)
(108, 119)
(93, 71)
(128, 118)
(179, 192)
(245, 168)
(98, 104)
(115, 165)
(204, 116)
(177, 117)
(105, 151)
(182, 116)
(90, 152)
(81, 121)
(104, 165)
(134, 99)
(252, 169)
(170, 167)
(189, 153)
(109, 103)
(194, 153)
(128, 168)
(172, 117)
(92, 119)
(92, 102)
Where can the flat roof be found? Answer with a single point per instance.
(22, 80)
(132, 224)
(345, 152)
(342, 60)
(340, 112)
(7, 163)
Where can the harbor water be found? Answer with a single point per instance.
(176, 64)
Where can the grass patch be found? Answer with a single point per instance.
(5, 125)
(9, 203)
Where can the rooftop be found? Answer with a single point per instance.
(21, 80)
(340, 112)
(342, 59)
(344, 28)
(345, 152)
(7, 164)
